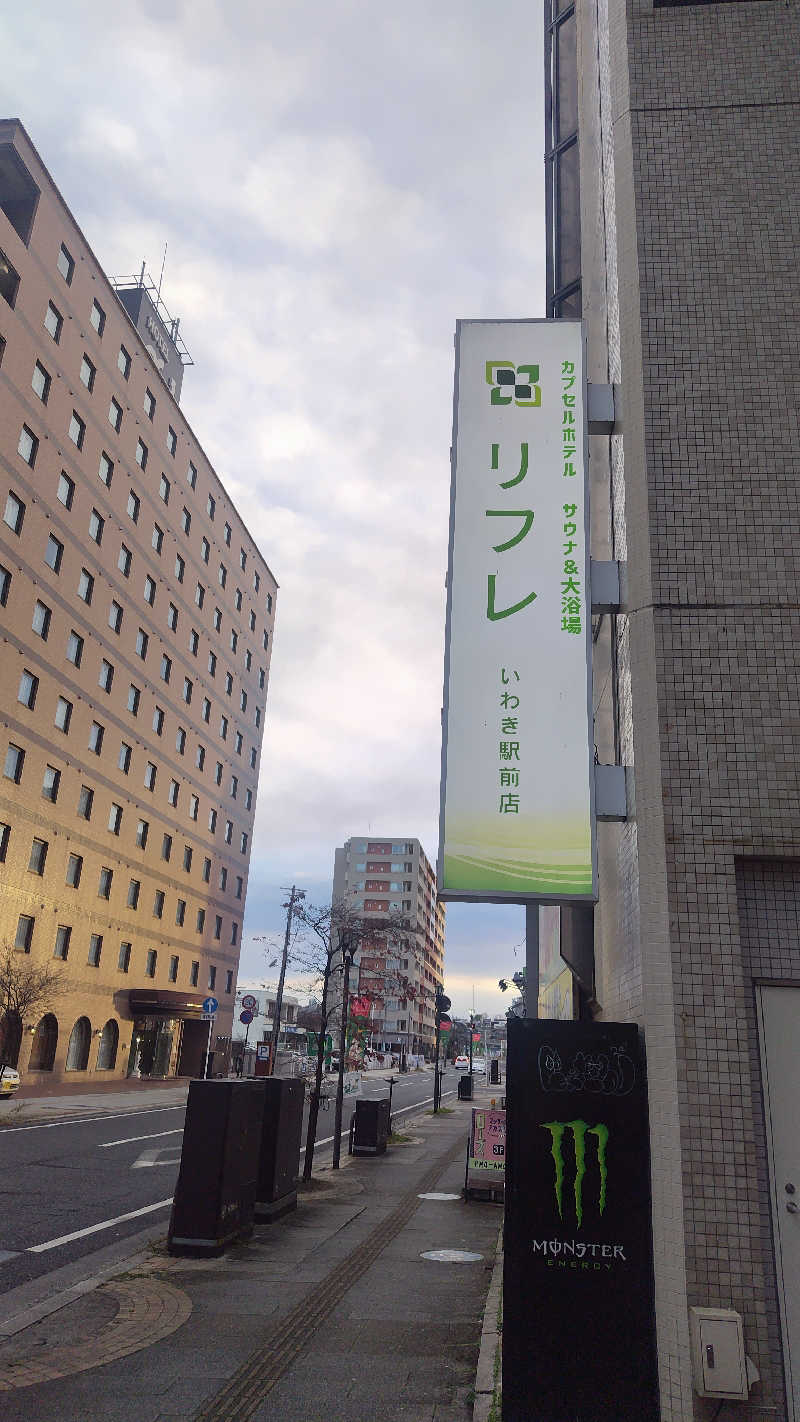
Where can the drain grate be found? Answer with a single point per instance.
(451, 1256)
(258, 1375)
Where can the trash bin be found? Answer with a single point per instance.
(216, 1190)
(465, 1088)
(276, 1191)
(369, 1128)
(494, 1072)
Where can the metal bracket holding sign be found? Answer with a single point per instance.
(606, 584)
(602, 407)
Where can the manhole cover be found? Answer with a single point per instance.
(451, 1256)
(438, 1195)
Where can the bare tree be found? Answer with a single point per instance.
(25, 989)
(322, 930)
(388, 943)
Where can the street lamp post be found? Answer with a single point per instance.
(347, 949)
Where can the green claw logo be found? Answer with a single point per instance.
(513, 382)
(580, 1130)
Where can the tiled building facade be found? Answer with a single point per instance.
(393, 878)
(678, 245)
(137, 618)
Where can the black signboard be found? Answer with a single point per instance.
(276, 1191)
(216, 1188)
(578, 1322)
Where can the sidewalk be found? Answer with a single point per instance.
(329, 1315)
(42, 1104)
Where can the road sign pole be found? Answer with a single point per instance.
(208, 1048)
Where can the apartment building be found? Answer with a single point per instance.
(673, 133)
(380, 878)
(137, 617)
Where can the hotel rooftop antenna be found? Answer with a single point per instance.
(159, 331)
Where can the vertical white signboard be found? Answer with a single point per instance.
(517, 786)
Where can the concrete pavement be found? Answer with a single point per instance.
(331, 1313)
(33, 1104)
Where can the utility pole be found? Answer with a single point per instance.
(471, 1028)
(294, 896)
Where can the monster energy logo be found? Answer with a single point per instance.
(580, 1130)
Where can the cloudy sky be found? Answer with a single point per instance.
(336, 182)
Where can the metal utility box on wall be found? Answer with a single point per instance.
(216, 1189)
(719, 1365)
(276, 1191)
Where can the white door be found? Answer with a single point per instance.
(779, 1016)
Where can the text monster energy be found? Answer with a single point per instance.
(580, 1130)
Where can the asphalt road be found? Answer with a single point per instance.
(68, 1188)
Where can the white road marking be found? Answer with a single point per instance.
(84, 1120)
(104, 1145)
(397, 1112)
(94, 1229)
(151, 1157)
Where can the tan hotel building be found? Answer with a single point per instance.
(137, 618)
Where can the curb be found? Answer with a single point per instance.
(35, 1312)
(490, 1341)
(29, 1303)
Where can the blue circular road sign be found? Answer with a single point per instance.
(246, 1017)
(210, 1006)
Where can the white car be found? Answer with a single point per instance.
(462, 1063)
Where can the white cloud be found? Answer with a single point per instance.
(336, 183)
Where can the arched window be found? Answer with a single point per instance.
(10, 1038)
(107, 1051)
(45, 1041)
(78, 1049)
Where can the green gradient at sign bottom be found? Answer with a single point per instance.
(471, 874)
(549, 861)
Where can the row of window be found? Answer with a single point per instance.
(53, 556)
(15, 762)
(54, 324)
(27, 448)
(74, 874)
(29, 690)
(75, 862)
(74, 871)
(26, 925)
(14, 515)
(40, 625)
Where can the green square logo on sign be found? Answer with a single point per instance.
(517, 794)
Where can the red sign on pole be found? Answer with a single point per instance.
(445, 1025)
(476, 1036)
